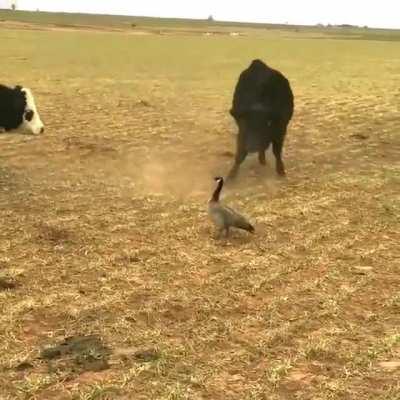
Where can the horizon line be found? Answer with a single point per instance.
(215, 20)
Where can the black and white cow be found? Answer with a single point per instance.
(18, 111)
(262, 107)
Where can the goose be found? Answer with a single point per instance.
(223, 216)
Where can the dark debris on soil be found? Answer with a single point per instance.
(86, 353)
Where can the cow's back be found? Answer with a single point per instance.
(260, 84)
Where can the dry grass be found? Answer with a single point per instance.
(104, 227)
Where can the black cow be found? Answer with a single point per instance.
(262, 107)
(18, 110)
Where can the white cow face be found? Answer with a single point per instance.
(31, 121)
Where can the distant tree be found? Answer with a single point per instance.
(210, 18)
(13, 6)
(347, 26)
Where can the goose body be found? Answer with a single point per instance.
(223, 216)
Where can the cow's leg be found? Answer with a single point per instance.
(218, 233)
(241, 154)
(261, 157)
(277, 145)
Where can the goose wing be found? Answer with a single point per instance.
(235, 219)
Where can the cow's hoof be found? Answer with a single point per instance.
(282, 175)
(280, 171)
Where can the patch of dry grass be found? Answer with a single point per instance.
(105, 231)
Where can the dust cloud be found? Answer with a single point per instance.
(190, 175)
(173, 174)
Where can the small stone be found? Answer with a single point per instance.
(362, 270)
(359, 136)
(389, 364)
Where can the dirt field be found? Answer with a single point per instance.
(104, 226)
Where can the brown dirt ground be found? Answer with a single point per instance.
(105, 230)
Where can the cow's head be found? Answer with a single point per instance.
(25, 102)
